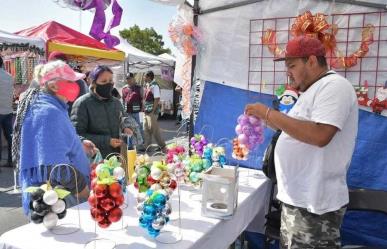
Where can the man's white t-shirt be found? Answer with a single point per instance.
(309, 176)
(155, 90)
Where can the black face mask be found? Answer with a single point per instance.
(105, 91)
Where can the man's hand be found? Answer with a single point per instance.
(128, 131)
(89, 147)
(115, 142)
(258, 110)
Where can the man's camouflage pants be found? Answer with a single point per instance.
(302, 229)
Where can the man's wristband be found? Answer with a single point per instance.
(267, 115)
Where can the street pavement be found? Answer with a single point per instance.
(11, 214)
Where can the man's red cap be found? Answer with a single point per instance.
(303, 46)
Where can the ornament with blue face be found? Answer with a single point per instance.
(287, 100)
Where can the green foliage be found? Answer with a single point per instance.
(146, 39)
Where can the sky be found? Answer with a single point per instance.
(16, 15)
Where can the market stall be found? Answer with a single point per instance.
(79, 48)
(235, 65)
(20, 55)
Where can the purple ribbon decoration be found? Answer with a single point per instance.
(99, 21)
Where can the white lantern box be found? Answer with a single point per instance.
(220, 192)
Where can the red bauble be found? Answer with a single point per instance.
(150, 180)
(93, 166)
(97, 214)
(172, 184)
(119, 200)
(100, 190)
(93, 183)
(93, 174)
(115, 214)
(92, 200)
(136, 185)
(104, 223)
(107, 203)
(115, 189)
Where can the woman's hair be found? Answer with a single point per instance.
(97, 71)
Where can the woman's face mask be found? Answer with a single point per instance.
(69, 90)
(104, 85)
(105, 90)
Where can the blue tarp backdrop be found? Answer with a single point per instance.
(219, 109)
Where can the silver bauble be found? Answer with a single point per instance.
(50, 220)
(50, 197)
(58, 207)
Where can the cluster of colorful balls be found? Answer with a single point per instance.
(153, 204)
(214, 156)
(47, 205)
(106, 195)
(198, 142)
(250, 133)
(174, 159)
(155, 210)
(194, 166)
(142, 171)
(185, 36)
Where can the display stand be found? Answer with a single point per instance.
(125, 205)
(67, 228)
(167, 236)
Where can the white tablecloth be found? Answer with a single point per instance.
(197, 231)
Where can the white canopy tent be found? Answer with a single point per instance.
(140, 61)
(9, 38)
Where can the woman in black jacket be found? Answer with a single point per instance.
(100, 117)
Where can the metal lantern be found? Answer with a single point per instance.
(220, 192)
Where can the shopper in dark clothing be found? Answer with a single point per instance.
(99, 117)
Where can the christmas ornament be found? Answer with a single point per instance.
(47, 204)
(106, 195)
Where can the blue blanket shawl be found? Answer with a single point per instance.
(47, 139)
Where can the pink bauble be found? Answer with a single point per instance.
(253, 120)
(238, 129)
(258, 129)
(247, 130)
(253, 139)
(243, 139)
(240, 118)
(244, 121)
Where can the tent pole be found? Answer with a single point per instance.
(247, 2)
(196, 11)
(188, 4)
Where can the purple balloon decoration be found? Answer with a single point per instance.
(99, 21)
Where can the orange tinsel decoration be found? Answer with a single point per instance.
(316, 26)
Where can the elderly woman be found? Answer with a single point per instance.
(99, 117)
(44, 136)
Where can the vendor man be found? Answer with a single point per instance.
(314, 151)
